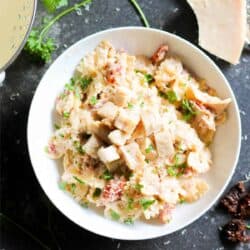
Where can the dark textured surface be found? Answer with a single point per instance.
(23, 200)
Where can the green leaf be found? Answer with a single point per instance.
(78, 180)
(114, 215)
(171, 96)
(248, 226)
(78, 147)
(56, 126)
(85, 82)
(93, 100)
(52, 5)
(128, 221)
(149, 149)
(145, 203)
(73, 188)
(97, 192)
(171, 170)
(107, 175)
(181, 201)
(149, 78)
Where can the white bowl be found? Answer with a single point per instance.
(135, 40)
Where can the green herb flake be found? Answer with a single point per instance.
(114, 215)
(145, 203)
(149, 78)
(142, 104)
(171, 170)
(78, 180)
(248, 226)
(46, 149)
(78, 147)
(149, 149)
(129, 221)
(97, 192)
(62, 185)
(181, 201)
(187, 110)
(107, 175)
(85, 204)
(171, 96)
(85, 82)
(138, 187)
(130, 203)
(66, 114)
(56, 126)
(93, 100)
(147, 160)
(73, 188)
(52, 5)
(130, 105)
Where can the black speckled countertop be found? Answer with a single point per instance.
(23, 200)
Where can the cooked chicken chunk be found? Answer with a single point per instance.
(132, 156)
(108, 154)
(101, 130)
(151, 121)
(92, 145)
(108, 110)
(118, 137)
(121, 96)
(212, 102)
(199, 161)
(127, 120)
(164, 144)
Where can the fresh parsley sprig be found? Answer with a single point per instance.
(38, 45)
(53, 5)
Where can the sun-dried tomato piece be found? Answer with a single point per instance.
(231, 200)
(113, 190)
(244, 207)
(235, 231)
(160, 54)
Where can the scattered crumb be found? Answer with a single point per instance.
(220, 248)
(79, 12)
(206, 217)
(15, 112)
(212, 220)
(175, 10)
(183, 231)
(65, 46)
(17, 141)
(220, 228)
(87, 7)
(86, 20)
(244, 137)
(117, 9)
(247, 176)
(166, 242)
(13, 96)
(118, 245)
(1, 84)
(244, 59)
(242, 112)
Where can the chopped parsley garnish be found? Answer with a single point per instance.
(85, 204)
(97, 192)
(142, 104)
(147, 160)
(145, 203)
(73, 188)
(149, 78)
(172, 171)
(187, 110)
(78, 180)
(181, 201)
(56, 126)
(66, 114)
(114, 215)
(79, 147)
(130, 203)
(62, 185)
(128, 221)
(171, 96)
(149, 149)
(93, 100)
(70, 86)
(61, 135)
(107, 175)
(138, 187)
(85, 82)
(130, 105)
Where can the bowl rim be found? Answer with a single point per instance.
(238, 120)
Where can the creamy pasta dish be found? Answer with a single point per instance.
(133, 133)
